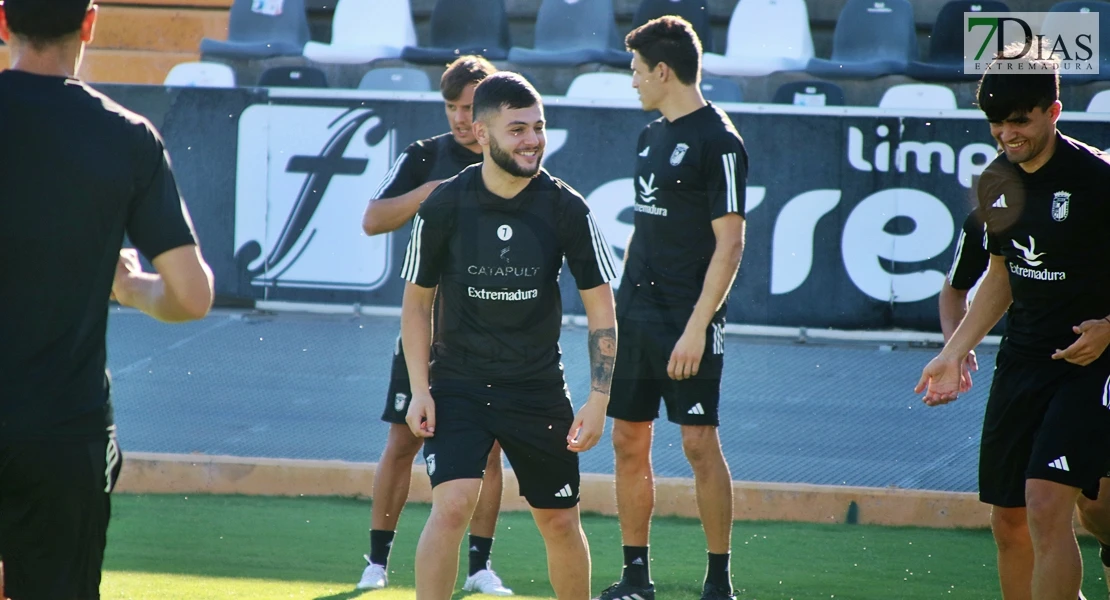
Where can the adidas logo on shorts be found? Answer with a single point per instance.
(696, 410)
(565, 492)
(1060, 463)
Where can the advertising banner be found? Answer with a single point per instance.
(852, 214)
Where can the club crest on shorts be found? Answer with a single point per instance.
(399, 401)
(1060, 201)
(678, 154)
(431, 460)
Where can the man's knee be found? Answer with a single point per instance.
(401, 445)
(1049, 505)
(453, 502)
(558, 524)
(701, 444)
(1010, 528)
(632, 440)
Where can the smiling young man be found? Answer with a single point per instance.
(79, 173)
(490, 242)
(417, 171)
(680, 265)
(1046, 431)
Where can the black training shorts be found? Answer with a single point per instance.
(640, 376)
(531, 427)
(1044, 420)
(54, 511)
(400, 392)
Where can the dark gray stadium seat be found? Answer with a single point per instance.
(809, 93)
(872, 38)
(694, 11)
(574, 32)
(946, 44)
(1103, 10)
(396, 79)
(255, 35)
(300, 77)
(464, 27)
(720, 89)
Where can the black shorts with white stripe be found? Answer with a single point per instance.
(531, 427)
(54, 512)
(640, 375)
(1047, 420)
(399, 393)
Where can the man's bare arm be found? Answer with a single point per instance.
(953, 308)
(601, 316)
(729, 231)
(181, 289)
(416, 333)
(389, 214)
(991, 302)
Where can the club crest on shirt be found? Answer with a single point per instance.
(678, 154)
(399, 401)
(1060, 201)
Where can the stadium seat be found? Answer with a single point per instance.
(1103, 10)
(929, 96)
(764, 36)
(574, 32)
(1100, 102)
(946, 44)
(694, 11)
(299, 77)
(602, 86)
(719, 89)
(809, 93)
(201, 74)
(364, 31)
(872, 38)
(464, 27)
(253, 32)
(397, 79)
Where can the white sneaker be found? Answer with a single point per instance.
(486, 582)
(373, 578)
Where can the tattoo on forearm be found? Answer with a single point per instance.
(603, 352)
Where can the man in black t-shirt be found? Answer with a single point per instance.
(417, 171)
(78, 172)
(1046, 431)
(679, 267)
(490, 243)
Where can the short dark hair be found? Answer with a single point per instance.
(464, 71)
(669, 40)
(42, 22)
(1018, 85)
(503, 89)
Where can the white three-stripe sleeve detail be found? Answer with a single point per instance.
(391, 175)
(956, 259)
(601, 251)
(729, 163)
(411, 270)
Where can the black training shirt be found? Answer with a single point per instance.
(76, 172)
(496, 262)
(1053, 228)
(433, 159)
(688, 173)
(970, 261)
